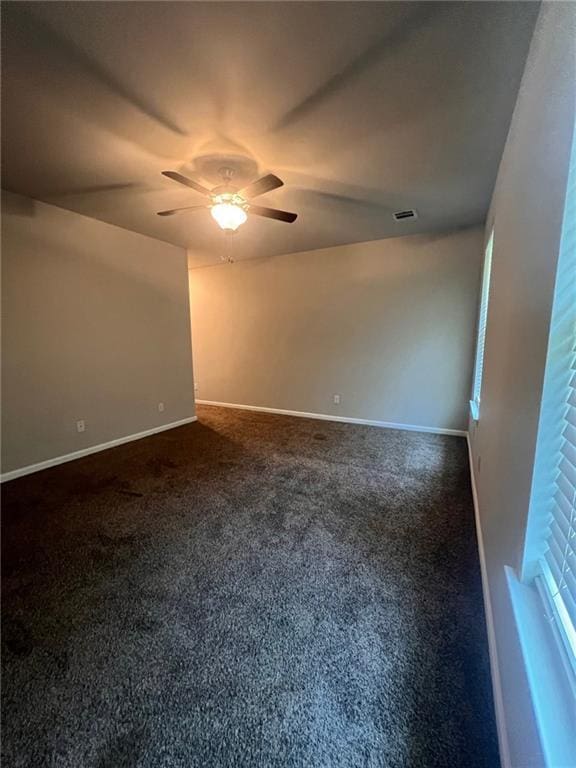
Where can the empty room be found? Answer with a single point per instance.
(288, 456)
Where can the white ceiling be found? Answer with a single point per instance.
(362, 109)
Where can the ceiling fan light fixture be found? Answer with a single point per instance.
(228, 214)
(230, 207)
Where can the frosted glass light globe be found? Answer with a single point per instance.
(228, 216)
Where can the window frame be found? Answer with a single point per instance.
(556, 404)
(482, 327)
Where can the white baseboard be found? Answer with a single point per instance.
(330, 417)
(13, 474)
(503, 745)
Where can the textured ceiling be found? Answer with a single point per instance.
(361, 108)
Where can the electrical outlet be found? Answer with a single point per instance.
(81, 425)
(336, 399)
(195, 386)
(161, 407)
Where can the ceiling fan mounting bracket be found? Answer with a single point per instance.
(210, 167)
(226, 173)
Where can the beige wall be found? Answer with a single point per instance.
(526, 213)
(388, 325)
(95, 327)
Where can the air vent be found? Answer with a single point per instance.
(409, 214)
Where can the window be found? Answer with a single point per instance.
(482, 319)
(550, 552)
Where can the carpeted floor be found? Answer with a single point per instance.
(249, 590)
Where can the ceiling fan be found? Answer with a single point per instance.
(228, 205)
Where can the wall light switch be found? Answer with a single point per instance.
(161, 407)
(337, 399)
(81, 425)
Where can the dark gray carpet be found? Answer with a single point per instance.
(250, 590)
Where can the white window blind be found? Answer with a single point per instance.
(558, 563)
(482, 320)
(558, 426)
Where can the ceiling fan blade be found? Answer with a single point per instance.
(187, 182)
(260, 186)
(179, 210)
(273, 213)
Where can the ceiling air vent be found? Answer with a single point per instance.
(409, 214)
